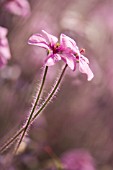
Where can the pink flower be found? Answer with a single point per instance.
(18, 7)
(66, 50)
(74, 54)
(50, 43)
(4, 46)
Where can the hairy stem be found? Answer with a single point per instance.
(51, 94)
(6, 145)
(33, 109)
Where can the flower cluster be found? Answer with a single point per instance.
(65, 50)
(4, 46)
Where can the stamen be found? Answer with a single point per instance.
(57, 44)
(48, 52)
(82, 50)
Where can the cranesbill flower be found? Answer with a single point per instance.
(4, 47)
(50, 43)
(18, 7)
(74, 55)
(56, 51)
(66, 50)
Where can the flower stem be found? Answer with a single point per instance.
(33, 109)
(11, 140)
(51, 94)
(6, 145)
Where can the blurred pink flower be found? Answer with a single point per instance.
(77, 160)
(4, 47)
(18, 7)
(66, 50)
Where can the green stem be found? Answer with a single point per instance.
(33, 109)
(4, 147)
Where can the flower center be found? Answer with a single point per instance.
(55, 48)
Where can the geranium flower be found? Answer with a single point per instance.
(75, 56)
(4, 47)
(66, 50)
(18, 7)
(50, 43)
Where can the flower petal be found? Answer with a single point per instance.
(4, 50)
(39, 40)
(3, 61)
(52, 39)
(4, 45)
(70, 60)
(52, 59)
(68, 43)
(85, 59)
(84, 68)
(57, 57)
(3, 32)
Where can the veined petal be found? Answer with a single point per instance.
(52, 39)
(52, 59)
(70, 60)
(84, 68)
(39, 40)
(85, 59)
(57, 57)
(68, 43)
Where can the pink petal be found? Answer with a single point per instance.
(18, 7)
(70, 60)
(52, 39)
(57, 57)
(85, 59)
(3, 61)
(68, 43)
(5, 52)
(38, 40)
(84, 68)
(4, 46)
(3, 32)
(52, 59)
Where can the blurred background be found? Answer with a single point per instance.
(77, 126)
